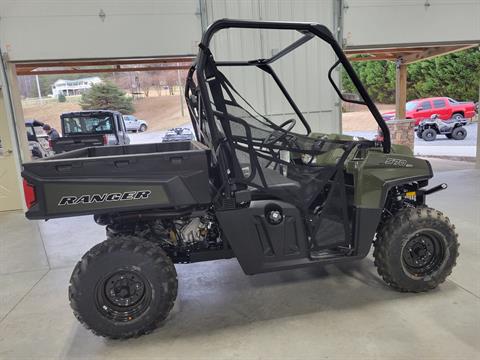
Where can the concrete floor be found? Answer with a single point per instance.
(331, 312)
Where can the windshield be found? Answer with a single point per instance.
(34, 132)
(411, 105)
(87, 125)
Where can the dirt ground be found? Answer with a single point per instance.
(161, 113)
(361, 119)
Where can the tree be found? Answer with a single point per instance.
(454, 75)
(107, 96)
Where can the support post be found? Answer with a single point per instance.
(11, 193)
(400, 89)
(401, 129)
(179, 83)
(16, 102)
(38, 89)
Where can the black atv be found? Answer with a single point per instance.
(428, 129)
(272, 194)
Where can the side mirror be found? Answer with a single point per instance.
(419, 108)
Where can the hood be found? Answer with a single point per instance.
(388, 115)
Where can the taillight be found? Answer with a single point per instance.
(30, 195)
(105, 139)
(50, 144)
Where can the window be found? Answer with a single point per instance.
(438, 104)
(425, 105)
(87, 125)
(411, 105)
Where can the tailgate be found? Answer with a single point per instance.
(76, 142)
(63, 186)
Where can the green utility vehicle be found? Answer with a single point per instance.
(257, 186)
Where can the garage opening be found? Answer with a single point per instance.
(153, 88)
(439, 83)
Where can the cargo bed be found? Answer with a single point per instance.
(70, 143)
(111, 179)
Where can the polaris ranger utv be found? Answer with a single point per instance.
(248, 188)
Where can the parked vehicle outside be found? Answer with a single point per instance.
(446, 108)
(38, 143)
(132, 123)
(428, 129)
(178, 134)
(91, 128)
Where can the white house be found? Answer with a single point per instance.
(73, 87)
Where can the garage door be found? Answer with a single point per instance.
(75, 29)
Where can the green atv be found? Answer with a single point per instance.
(272, 194)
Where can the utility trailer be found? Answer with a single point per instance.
(273, 194)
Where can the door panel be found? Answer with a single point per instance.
(440, 108)
(426, 110)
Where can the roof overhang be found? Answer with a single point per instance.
(103, 65)
(407, 54)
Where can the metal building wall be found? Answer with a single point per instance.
(304, 73)
(85, 29)
(390, 22)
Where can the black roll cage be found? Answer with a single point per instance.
(309, 31)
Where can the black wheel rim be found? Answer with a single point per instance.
(424, 253)
(123, 295)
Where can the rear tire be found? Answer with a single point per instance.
(459, 133)
(416, 249)
(123, 287)
(143, 128)
(429, 134)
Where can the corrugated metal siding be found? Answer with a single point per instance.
(381, 22)
(58, 29)
(304, 72)
(73, 29)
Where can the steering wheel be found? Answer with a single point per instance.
(278, 135)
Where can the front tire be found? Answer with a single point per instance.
(459, 133)
(123, 287)
(143, 128)
(429, 134)
(416, 249)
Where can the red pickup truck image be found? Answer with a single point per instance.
(446, 108)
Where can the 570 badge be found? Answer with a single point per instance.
(396, 162)
(107, 197)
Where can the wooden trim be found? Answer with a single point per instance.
(371, 58)
(117, 68)
(103, 65)
(433, 52)
(381, 51)
(103, 62)
(408, 55)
